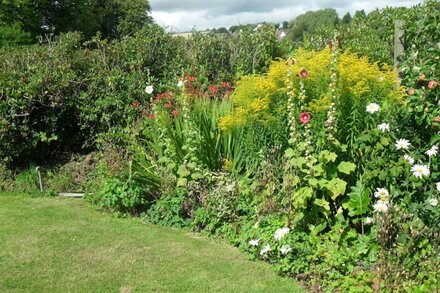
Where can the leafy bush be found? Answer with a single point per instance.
(121, 196)
(169, 210)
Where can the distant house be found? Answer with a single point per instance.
(281, 33)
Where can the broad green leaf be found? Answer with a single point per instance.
(196, 175)
(181, 182)
(328, 156)
(346, 167)
(337, 187)
(359, 200)
(322, 203)
(183, 172)
(290, 153)
(301, 196)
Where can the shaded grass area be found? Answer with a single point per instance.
(63, 245)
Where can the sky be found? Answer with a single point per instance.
(185, 15)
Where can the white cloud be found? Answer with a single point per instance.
(184, 15)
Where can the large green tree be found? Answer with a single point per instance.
(312, 21)
(110, 17)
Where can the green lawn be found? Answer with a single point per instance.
(63, 245)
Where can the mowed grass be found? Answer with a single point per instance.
(64, 245)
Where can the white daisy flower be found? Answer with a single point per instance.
(438, 186)
(381, 193)
(409, 159)
(432, 151)
(381, 206)
(384, 127)
(254, 242)
(368, 220)
(280, 233)
(373, 108)
(149, 89)
(180, 83)
(265, 250)
(285, 249)
(420, 170)
(433, 202)
(402, 144)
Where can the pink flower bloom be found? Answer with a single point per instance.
(175, 113)
(304, 117)
(432, 84)
(303, 73)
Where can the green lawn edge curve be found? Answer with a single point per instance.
(64, 245)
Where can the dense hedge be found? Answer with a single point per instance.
(68, 95)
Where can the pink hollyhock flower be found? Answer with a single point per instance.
(432, 84)
(303, 73)
(304, 117)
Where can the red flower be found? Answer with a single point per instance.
(213, 89)
(225, 85)
(191, 78)
(168, 105)
(411, 91)
(330, 44)
(304, 117)
(303, 73)
(151, 116)
(175, 113)
(135, 105)
(432, 84)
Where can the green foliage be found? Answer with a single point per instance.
(359, 200)
(224, 57)
(121, 196)
(421, 66)
(12, 35)
(169, 210)
(110, 17)
(311, 22)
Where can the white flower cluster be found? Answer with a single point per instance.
(420, 171)
(382, 205)
(280, 233)
(373, 108)
(254, 242)
(402, 144)
(285, 249)
(265, 250)
(384, 127)
(149, 89)
(432, 152)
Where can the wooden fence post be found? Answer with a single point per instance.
(398, 41)
(398, 47)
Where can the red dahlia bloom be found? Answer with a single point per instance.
(304, 117)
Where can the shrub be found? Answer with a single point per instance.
(121, 196)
